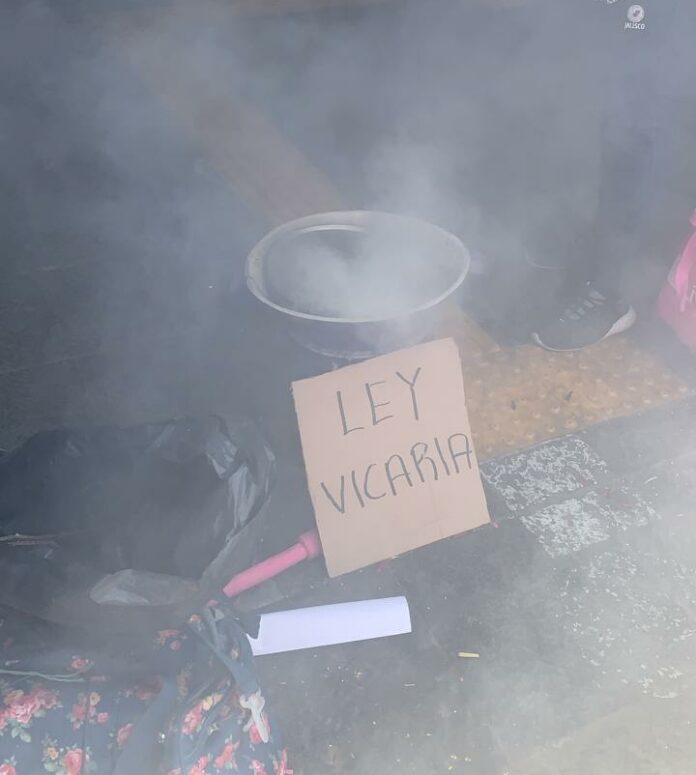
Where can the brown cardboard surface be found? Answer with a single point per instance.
(377, 490)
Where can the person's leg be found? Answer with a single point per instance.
(591, 309)
(627, 197)
(635, 120)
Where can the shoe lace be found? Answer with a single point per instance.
(580, 306)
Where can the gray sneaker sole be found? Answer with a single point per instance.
(625, 322)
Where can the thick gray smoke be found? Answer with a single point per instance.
(413, 111)
(418, 112)
(129, 208)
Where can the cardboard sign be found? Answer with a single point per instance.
(389, 457)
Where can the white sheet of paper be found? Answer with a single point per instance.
(328, 625)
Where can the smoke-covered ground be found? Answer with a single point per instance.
(579, 604)
(123, 235)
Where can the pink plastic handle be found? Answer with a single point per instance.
(307, 547)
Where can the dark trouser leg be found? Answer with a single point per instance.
(626, 206)
(637, 154)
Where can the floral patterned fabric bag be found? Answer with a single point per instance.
(186, 704)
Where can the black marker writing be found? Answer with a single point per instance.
(357, 491)
(344, 423)
(466, 452)
(412, 387)
(404, 472)
(373, 405)
(418, 458)
(342, 507)
(442, 457)
(366, 485)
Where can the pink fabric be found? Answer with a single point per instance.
(677, 302)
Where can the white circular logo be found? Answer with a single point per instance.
(636, 14)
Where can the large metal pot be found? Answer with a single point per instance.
(355, 284)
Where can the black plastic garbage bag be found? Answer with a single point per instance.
(130, 527)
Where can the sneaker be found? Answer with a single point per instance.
(590, 319)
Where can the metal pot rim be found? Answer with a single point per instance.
(352, 220)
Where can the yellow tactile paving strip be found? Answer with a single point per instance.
(522, 396)
(268, 172)
(473, 341)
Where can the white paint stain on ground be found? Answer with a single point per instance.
(624, 618)
(559, 467)
(576, 523)
(568, 526)
(664, 684)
